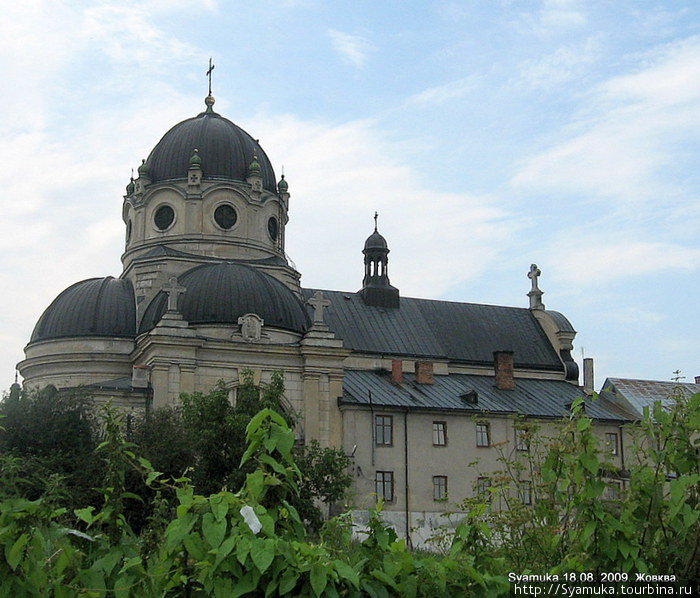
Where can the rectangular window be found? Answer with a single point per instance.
(611, 441)
(383, 430)
(522, 440)
(439, 433)
(384, 485)
(525, 490)
(612, 490)
(482, 435)
(482, 488)
(439, 487)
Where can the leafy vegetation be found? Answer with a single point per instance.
(254, 542)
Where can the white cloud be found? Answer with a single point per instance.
(561, 14)
(627, 133)
(339, 174)
(565, 64)
(599, 259)
(440, 94)
(353, 49)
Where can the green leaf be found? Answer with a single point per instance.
(262, 552)
(14, 554)
(213, 530)
(85, 514)
(347, 572)
(242, 549)
(288, 581)
(319, 578)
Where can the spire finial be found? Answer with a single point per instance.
(376, 215)
(16, 373)
(209, 100)
(211, 68)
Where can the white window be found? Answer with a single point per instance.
(611, 440)
(439, 487)
(384, 485)
(482, 435)
(439, 433)
(383, 430)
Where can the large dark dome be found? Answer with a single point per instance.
(226, 151)
(222, 293)
(93, 307)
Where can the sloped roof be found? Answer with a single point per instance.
(644, 393)
(531, 397)
(463, 332)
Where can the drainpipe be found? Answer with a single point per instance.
(622, 452)
(405, 460)
(371, 423)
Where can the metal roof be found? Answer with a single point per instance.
(639, 394)
(93, 307)
(221, 293)
(226, 151)
(464, 332)
(531, 397)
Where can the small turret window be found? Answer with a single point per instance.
(164, 217)
(273, 228)
(128, 231)
(225, 216)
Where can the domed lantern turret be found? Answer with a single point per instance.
(376, 289)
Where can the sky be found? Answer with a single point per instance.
(488, 135)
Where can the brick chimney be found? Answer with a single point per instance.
(503, 368)
(424, 372)
(396, 371)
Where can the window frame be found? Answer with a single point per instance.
(440, 490)
(483, 483)
(614, 446)
(383, 477)
(481, 429)
(522, 442)
(525, 491)
(441, 428)
(384, 426)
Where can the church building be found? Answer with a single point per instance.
(414, 389)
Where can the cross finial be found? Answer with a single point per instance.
(211, 68)
(319, 303)
(173, 289)
(533, 275)
(535, 293)
(376, 215)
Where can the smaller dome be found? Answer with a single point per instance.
(376, 241)
(144, 170)
(93, 307)
(130, 188)
(282, 186)
(222, 293)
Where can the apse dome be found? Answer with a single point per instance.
(226, 151)
(94, 307)
(222, 293)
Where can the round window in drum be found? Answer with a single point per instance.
(273, 228)
(225, 216)
(164, 217)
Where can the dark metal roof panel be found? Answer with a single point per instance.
(221, 293)
(465, 332)
(226, 151)
(531, 397)
(93, 307)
